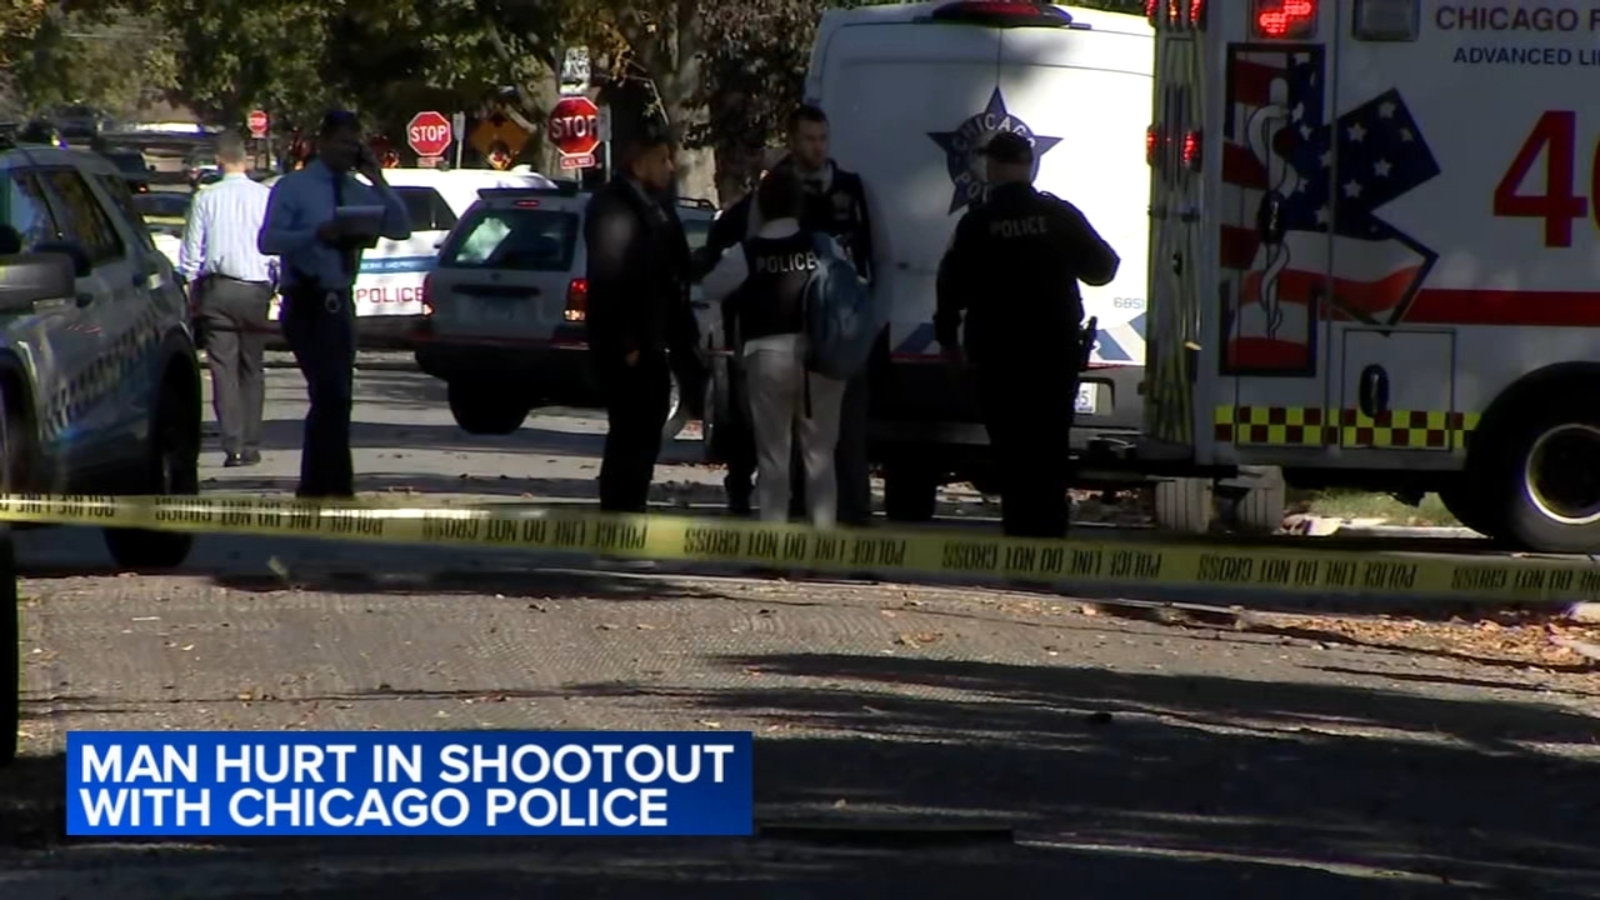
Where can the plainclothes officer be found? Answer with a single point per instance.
(321, 256)
(1013, 269)
(640, 321)
(835, 204)
(231, 282)
(763, 283)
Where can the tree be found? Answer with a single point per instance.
(100, 55)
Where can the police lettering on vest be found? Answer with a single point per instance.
(784, 263)
(1027, 226)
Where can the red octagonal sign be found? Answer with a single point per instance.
(429, 133)
(575, 126)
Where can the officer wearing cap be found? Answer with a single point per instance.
(1012, 272)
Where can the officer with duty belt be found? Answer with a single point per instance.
(1012, 271)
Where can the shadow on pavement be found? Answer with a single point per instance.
(1118, 785)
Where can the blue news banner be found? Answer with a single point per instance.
(234, 783)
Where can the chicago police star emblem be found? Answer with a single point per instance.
(966, 167)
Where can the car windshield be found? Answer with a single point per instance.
(530, 240)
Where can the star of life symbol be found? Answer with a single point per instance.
(960, 146)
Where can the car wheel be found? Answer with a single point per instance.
(910, 491)
(483, 409)
(677, 413)
(1185, 505)
(174, 472)
(1549, 482)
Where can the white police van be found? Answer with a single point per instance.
(910, 91)
(505, 308)
(388, 290)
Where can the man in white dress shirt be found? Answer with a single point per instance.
(231, 281)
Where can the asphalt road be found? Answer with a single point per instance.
(1131, 753)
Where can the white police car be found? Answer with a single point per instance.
(99, 385)
(388, 289)
(505, 308)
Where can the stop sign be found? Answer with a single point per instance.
(575, 126)
(428, 134)
(258, 123)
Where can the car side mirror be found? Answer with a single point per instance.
(82, 266)
(26, 279)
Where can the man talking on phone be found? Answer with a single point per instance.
(319, 220)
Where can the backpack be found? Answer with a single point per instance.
(840, 319)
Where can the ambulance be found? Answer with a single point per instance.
(911, 92)
(1374, 255)
(388, 290)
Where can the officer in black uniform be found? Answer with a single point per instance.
(835, 204)
(1012, 270)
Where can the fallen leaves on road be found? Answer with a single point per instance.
(1529, 641)
(920, 639)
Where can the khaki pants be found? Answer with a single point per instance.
(776, 385)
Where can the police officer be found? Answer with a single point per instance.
(640, 324)
(835, 204)
(1012, 270)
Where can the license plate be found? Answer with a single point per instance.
(1087, 395)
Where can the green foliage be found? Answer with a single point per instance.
(103, 56)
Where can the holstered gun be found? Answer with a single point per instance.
(1086, 339)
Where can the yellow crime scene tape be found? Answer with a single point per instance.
(880, 553)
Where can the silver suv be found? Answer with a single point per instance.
(99, 386)
(504, 308)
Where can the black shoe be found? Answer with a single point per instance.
(234, 461)
(251, 457)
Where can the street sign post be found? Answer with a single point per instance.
(458, 131)
(428, 134)
(258, 123)
(574, 128)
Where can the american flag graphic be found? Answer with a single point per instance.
(1279, 153)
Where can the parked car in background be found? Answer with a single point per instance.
(133, 166)
(200, 165)
(165, 213)
(505, 308)
(388, 290)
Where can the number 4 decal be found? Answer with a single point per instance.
(1555, 136)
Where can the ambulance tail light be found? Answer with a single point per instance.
(577, 300)
(1191, 151)
(1284, 19)
(1152, 145)
(1151, 7)
(1197, 14)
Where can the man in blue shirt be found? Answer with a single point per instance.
(320, 253)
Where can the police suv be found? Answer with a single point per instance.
(99, 386)
(504, 308)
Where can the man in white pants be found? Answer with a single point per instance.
(762, 283)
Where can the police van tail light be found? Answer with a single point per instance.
(427, 294)
(1284, 19)
(1387, 20)
(1191, 151)
(1151, 7)
(577, 300)
(1197, 13)
(1152, 145)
